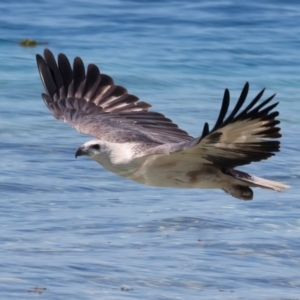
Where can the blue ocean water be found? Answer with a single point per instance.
(71, 230)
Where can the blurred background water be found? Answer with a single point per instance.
(71, 230)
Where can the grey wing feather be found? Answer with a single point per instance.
(91, 103)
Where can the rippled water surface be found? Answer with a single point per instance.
(71, 230)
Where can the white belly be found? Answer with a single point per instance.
(163, 172)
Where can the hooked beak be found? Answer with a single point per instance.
(79, 152)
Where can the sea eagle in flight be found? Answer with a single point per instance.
(149, 148)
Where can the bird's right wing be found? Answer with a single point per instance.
(243, 137)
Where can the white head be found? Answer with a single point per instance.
(106, 152)
(92, 149)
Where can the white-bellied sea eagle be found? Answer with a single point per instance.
(149, 148)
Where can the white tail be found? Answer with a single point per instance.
(268, 184)
(257, 181)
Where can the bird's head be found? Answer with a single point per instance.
(106, 152)
(92, 149)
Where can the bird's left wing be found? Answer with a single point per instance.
(93, 104)
(244, 136)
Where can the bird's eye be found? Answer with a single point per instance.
(96, 147)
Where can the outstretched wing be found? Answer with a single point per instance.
(243, 137)
(91, 103)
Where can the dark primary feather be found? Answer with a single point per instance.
(223, 111)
